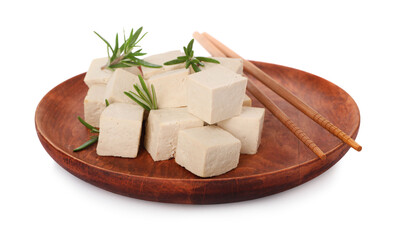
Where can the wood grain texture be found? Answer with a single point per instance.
(282, 161)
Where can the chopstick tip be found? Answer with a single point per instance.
(319, 152)
(354, 144)
(196, 34)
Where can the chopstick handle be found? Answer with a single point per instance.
(286, 94)
(208, 45)
(282, 117)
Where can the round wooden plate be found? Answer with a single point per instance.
(282, 161)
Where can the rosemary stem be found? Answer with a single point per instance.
(117, 60)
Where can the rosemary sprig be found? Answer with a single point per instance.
(190, 60)
(123, 56)
(143, 96)
(92, 139)
(88, 126)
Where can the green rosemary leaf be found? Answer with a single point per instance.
(109, 56)
(108, 45)
(129, 62)
(139, 98)
(116, 49)
(142, 95)
(135, 36)
(137, 101)
(173, 62)
(182, 58)
(88, 126)
(133, 55)
(127, 43)
(146, 64)
(205, 59)
(189, 48)
(140, 39)
(138, 53)
(195, 61)
(122, 48)
(106, 103)
(195, 67)
(120, 65)
(125, 46)
(145, 87)
(92, 140)
(188, 62)
(154, 98)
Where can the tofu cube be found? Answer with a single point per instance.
(247, 127)
(120, 130)
(95, 75)
(160, 59)
(121, 81)
(170, 88)
(207, 151)
(163, 125)
(247, 101)
(233, 64)
(215, 94)
(94, 104)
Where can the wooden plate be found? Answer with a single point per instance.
(282, 161)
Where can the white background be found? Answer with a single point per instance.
(347, 42)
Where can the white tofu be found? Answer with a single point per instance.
(170, 88)
(247, 101)
(120, 130)
(233, 64)
(207, 151)
(160, 59)
(121, 81)
(95, 75)
(247, 127)
(215, 94)
(94, 104)
(162, 129)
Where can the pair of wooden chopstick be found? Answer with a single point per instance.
(217, 49)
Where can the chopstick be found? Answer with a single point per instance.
(271, 106)
(286, 94)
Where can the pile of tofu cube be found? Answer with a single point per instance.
(205, 120)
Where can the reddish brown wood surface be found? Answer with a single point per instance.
(282, 161)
